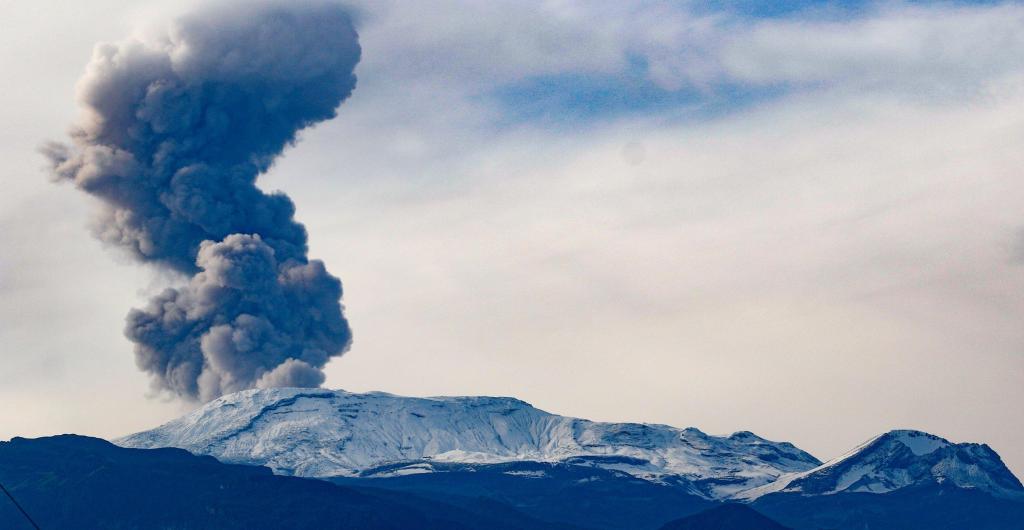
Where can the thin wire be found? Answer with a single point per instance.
(20, 509)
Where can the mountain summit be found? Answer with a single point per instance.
(332, 433)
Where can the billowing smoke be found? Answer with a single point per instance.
(174, 133)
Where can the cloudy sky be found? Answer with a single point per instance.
(801, 221)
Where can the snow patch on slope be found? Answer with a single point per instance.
(919, 443)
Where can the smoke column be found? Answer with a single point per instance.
(173, 135)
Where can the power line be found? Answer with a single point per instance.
(18, 506)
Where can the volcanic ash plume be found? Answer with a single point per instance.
(174, 133)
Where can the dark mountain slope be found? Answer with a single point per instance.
(725, 517)
(931, 507)
(572, 494)
(82, 483)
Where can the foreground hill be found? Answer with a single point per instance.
(932, 508)
(570, 494)
(725, 517)
(81, 483)
(325, 433)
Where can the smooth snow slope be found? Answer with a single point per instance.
(323, 433)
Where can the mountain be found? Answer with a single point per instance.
(901, 459)
(82, 483)
(901, 480)
(725, 517)
(487, 455)
(325, 433)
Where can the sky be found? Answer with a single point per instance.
(804, 221)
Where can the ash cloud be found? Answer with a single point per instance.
(174, 134)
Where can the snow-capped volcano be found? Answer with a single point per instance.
(324, 433)
(332, 433)
(900, 459)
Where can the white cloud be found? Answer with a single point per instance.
(929, 49)
(476, 46)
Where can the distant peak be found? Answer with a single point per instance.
(745, 435)
(898, 459)
(914, 433)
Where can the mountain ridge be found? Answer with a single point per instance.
(324, 433)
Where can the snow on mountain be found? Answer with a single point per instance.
(323, 433)
(900, 459)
